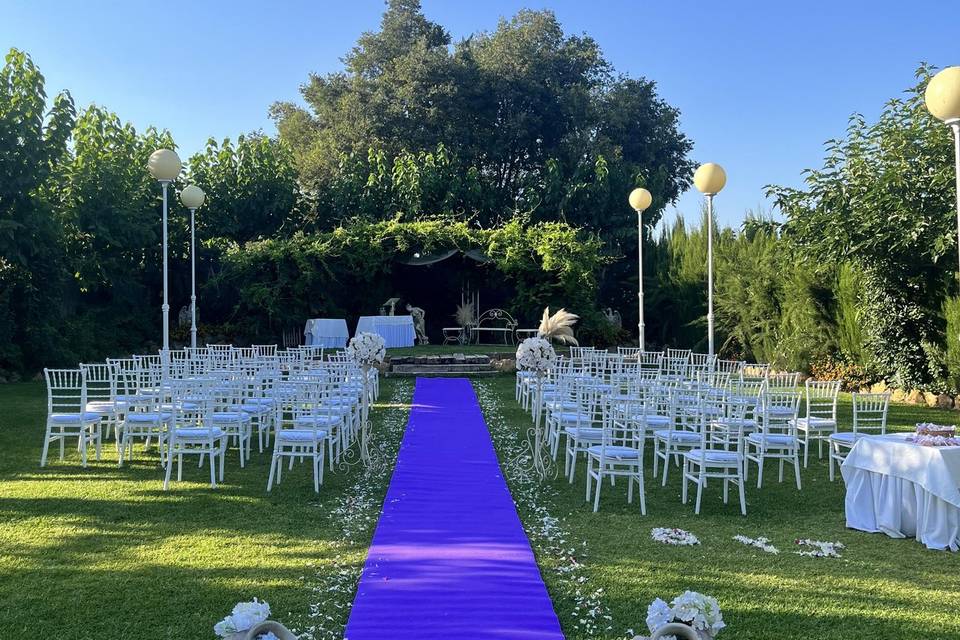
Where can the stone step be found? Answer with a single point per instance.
(440, 368)
(446, 359)
(434, 373)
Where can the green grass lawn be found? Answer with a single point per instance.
(880, 588)
(104, 553)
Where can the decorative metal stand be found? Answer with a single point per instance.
(536, 457)
(366, 454)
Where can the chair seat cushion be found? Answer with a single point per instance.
(185, 405)
(651, 420)
(150, 416)
(256, 409)
(266, 402)
(781, 411)
(566, 417)
(300, 435)
(744, 423)
(103, 407)
(189, 433)
(846, 437)
(614, 452)
(318, 421)
(772, 439)
(75, 418)
(713, 455)
(677, 435)
(816, 424)
(229, 416)
(584, 433)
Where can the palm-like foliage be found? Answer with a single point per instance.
(559, 326)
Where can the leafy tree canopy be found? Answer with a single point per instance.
(533, 120)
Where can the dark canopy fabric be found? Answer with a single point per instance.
(417, 260)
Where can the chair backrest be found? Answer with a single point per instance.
(783, 381)
(265, 349)
(733, 367)
(870, 412)
(101, 383)
(779, 411)
(754, 371)
(821, 396)
(66, 391)
(703, 361)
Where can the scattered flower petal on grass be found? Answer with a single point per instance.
(677, 537)
(761, 543)
(820, 549)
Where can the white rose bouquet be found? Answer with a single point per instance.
(244, 616)
(535, 354)
(367, 349)
(700, 612)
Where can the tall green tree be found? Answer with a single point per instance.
(883, 202)
(33, 138)
(535, 118)
(251, 188)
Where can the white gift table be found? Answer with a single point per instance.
(904, 490)
(329, 333)
(396, 331)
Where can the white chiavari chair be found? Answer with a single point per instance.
(820, 415)
(619, 452)
(719, 456)
(869, 418)
(67, 416)
(776, 438)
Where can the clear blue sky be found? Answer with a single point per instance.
(760, 85)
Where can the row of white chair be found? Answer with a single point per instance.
(606, 407)
(199, 402)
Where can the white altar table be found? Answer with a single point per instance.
(904, 489)
(396, 331)
(329, 333)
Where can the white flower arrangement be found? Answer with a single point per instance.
(535, 354)
(677, 537)
(700, 612)
(367, 349)
(244, 616)
(760, 543)
(820, 549)
(931, 429)
(934, 441)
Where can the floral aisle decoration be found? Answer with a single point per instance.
(676, 537)
(698, 612)
(250, 621)
(537, 356)
(559, 553)
(819, 548)
(368, 350)
(761, 543)
(333, 582)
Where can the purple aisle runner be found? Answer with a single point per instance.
(449, 558)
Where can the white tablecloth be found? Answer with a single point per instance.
(397, 331)
(330, 333)
(904, 490)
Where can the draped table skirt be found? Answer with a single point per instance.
(879, 503)
(329, 333)
(396, 331)
(903, 489)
